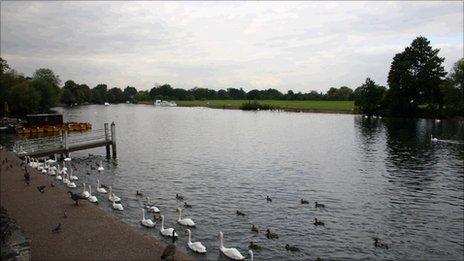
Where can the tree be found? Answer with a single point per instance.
(47, 75)
(368, 97)
(4, 67)
(25, 99)
(130, 92)
(116, 95)
(457, 75)
(99, 93)
(415, 76)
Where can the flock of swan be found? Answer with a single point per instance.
(61, 173)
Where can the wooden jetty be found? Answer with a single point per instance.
(64, 143)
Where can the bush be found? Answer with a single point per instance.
(255, 105)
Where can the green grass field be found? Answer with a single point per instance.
(329, 106)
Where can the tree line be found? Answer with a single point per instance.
(417, 81)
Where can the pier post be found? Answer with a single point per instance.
(113, 139)
(107, 139)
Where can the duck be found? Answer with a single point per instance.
(146, 221)
(91, 197)
(186, 205)
(317, 205)
(170, 251)
(254, 246)
(150, 207)
(304, 201)
(179, 197)
(112, 196)
(100, 168)
(318, 222)
(195, 246)
(184, 221)
(254, 228)
(433, 139)
(268, 198)
(271, 235)
(291, 248)
(239, 213)
(100, 189)
(379, 244)
(85, 193)
(167, 232)
(117, 206)
(138, 194)
(231, 253)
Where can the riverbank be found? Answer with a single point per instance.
(88, 232)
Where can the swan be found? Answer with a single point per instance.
(71, 184)
(146, 222)
(251, 254)
(64, 167)
(433, 139)
(68, 158)
(117, 206)
(100, 189)
(112, 197)
(58, 177)
(195, 246)
(85, 193)
(150, 207)
(100, 168)
(184, 221)
(167, 232)
(437, 120)
(52, 161)
(231, 253)
(72, 177)
(92, 198)
(65, 178)
(51, 172)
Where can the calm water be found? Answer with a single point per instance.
(378, 178)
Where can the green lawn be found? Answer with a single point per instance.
(341, 106)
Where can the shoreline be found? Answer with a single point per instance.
(88, 232)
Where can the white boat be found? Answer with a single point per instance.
(165, 103)
(107, 104)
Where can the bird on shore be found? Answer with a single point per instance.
(254, 228)
(52, 184)
(317, 205)
(57, 229)
(65, 215)
(379, 244)
(41, 189)
(318, 222)
(186, 205)
(292, 248)
(75, 197)
(179, 197)
(271, 235)
(304, 201)
(195, 246)
(170, 250)
(240, 213)
(254, 246)
(268, 198)
(27, 177)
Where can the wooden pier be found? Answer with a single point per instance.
(64, 143)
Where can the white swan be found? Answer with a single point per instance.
(150, 207)
(91, 197)
(251, 254)
(433, 139)
(100, 168)
(51, 172)
(437, 120)
(71, 184)
(52, 161)
(195, 246)
(113, 197)
(100, 189)
(85, 193)
(68, 158)
(184, 221)
(168, 231)
(58, 177)
(64, 167)
(72, 177)
(146, 222)
(117, 206)
(65, 179)
(231, 253)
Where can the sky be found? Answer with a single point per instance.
(300, 46)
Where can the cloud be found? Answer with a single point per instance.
(285, 45)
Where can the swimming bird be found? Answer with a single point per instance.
(41, 189)
(251, 254)
(75, 197)
(379, 244)
(231, 253)
(91, 197)
(291, 248)
(254, 228)
(57, 229)
(271, 235)
(239, 213)
(170, 250)
(85, 193)
(317, 205)
(117, 206)
(304, 201)
(100, 168)
(138, 194)
(179, 197)
(187, 205)
(151, 207)
(112, 196)
(254, 246)
(100, 189)
(68, 158)
(268, 198)
(146, 222)
(433, 139)
(167, 232)
(184, 221)
(73, 177)
(195, 246)
(71, 185)
(318, 223)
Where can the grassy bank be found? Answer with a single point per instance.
(317, 106)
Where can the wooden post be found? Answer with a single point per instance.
(108, 155)
(113, 139)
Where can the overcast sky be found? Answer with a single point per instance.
(284, 45)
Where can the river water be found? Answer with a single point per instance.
(377, 177)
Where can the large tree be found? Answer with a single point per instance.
(415, 76)
(368, 97)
